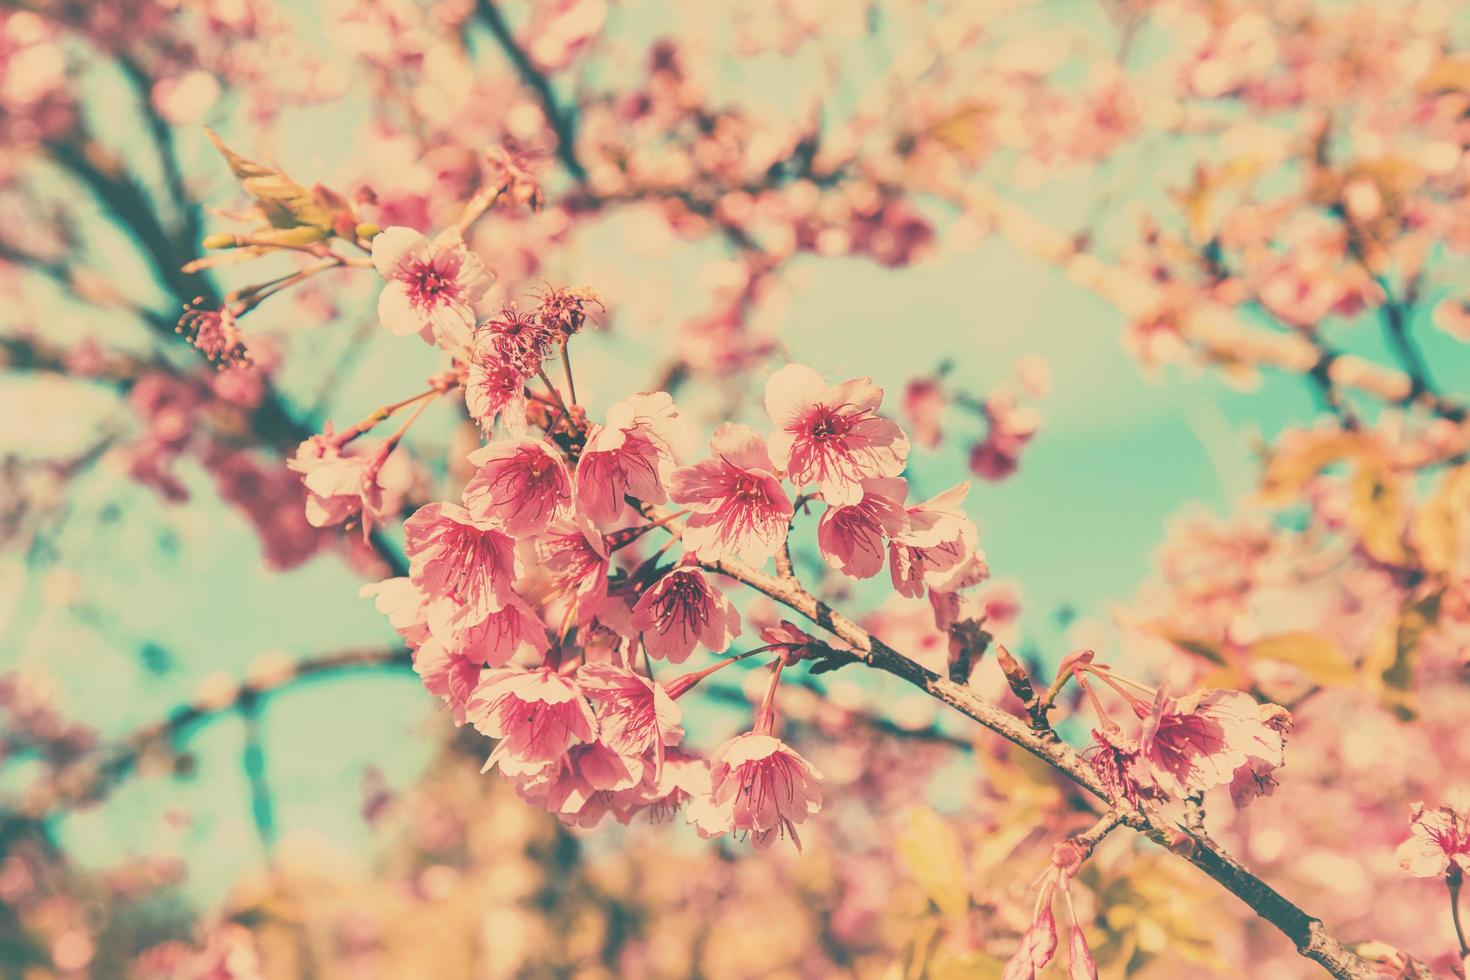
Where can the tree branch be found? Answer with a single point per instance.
(561, 121)
(1306, 932)
(94, 774)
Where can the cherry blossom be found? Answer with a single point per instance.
(853, 537)
(576, 557)
(342, 487)
(684, 778)
(1441, 839)
(1120, 767)
(923, 407)
(739, 507)
(759, 786)
(521, 483)
(682, 609)
(495, 391)
(831, 436)
(404, 605)
(1315, 190)
(451, 675)
(537, 714)
(636, 715)
(791, 641)
(431, 286)
(1198, 741)
(460, 561)
(517, 338)
(628, 455)
(937, 539)
(510, 631)
(1012, 427)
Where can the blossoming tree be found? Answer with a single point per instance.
(573, 579)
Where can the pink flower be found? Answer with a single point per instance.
(573, 552)
(587, 782)
(684, 778)
(1080, 964)
(537, 714)
(759, 786)
(1255, 778)
(627, 455)
(1039, 941)
(579, 786)
(459, 560)
(401, 601)
(739, 506)
(831, 435)
(1441, 838)
(1120, 768)
(1011, 428)
(938, 538)
(513, 629)
(522, 483)
(339, 487)
(682, 608)
(495, 390)
(1453, 317)
(520, 339)
(636, 715)
(452, 676)
(1199, 741)
(792, 642)
(432, 286)
(1034, 373)
(214, 333)
(923, 406)
(852, 537)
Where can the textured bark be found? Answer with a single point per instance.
(1305, 932)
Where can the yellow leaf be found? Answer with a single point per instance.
(1440, 531)
(1198, 646)
(931, 851)
(1300, 459)
(950, 965)
(1377, 505)
(283, 202)
(1389, 666)
(961, 131)
(1316, 655)
(1377, 509)
(1451, 73)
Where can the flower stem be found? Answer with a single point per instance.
(555, 392)
(566, 365)
(765, 718)
(380, 414)
(681, 684)
(1453, 880)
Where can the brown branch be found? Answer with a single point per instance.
(1305, 931)
(562, 121)
(1086, 842)
(91, 776)
(1216, 330)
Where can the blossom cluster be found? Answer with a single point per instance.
(527, 621)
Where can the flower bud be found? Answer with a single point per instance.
(1080, 964)
(1016, 676)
